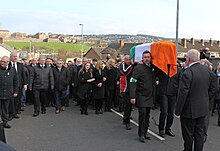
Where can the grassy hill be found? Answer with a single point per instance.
(56, 46)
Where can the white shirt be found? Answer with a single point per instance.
(14, 64)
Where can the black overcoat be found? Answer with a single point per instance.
(8, 83)
(84, 87)
(98, 92)
(61, 78)
(195, 90)
(143, 89)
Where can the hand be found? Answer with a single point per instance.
(104, 78)
(99, 85)
(157, 82)
(178, 117)
(72, 84)
(15, 95)
(25, 87)
(118, 82)
(133, 101)
(140, 62)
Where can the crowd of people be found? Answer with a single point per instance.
(111, 83)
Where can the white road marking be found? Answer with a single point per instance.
(135, 123)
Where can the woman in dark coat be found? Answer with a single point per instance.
(99, 86)
(85, 79)
(111, 75)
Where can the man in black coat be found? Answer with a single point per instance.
(15, 104)
(168, 89)
(195, 89)
(41, 80)
(61, 81)
(8, 88)
(142, 87)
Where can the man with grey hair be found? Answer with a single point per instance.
(8, 88)
(15, 104)
(195, 89)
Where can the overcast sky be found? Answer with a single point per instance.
(198, 18)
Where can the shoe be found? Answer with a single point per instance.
(218, 124)
(6, 125)
(81, 110)
(142, 139)
(86, 113)
(16, 116)
(43, 112)
(161, 133)
(170, 133)
(23, 105)
(128, 126)
(146, 136)
(63, 108)
(96, 112)
(57, 111)
(18, 112)
(100, 111)
(21, 109)
(35, 114)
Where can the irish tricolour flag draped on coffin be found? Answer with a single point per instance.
(163, 55)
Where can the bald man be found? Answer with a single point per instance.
(126, 69)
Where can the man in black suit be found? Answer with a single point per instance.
(15, 104)
(142, 87)
(195, 89)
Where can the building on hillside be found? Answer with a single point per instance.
(94, 53)
(185, 45)
(40, 36)
(118, 49)
(5, 33)
(18, 35)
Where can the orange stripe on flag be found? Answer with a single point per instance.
(164, 53)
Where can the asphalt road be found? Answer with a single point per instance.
(70, 131)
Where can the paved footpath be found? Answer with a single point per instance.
(70, 131)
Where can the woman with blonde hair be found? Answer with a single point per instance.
(99, 86)
(111, 76)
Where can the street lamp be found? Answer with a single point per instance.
(81, 53)
(177, 25)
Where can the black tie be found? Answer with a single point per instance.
(13, 65)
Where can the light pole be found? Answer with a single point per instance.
(81, 52)
(177, 25)
(30, 46)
